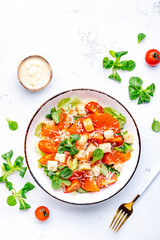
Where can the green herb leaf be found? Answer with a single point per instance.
(112, 53)
(68, 103)
(140, 37)
(56, 116)
(127, 65)
(107, 63)
(27, 187)
(11, 201)
(23, 204)
(156, 126)
(118, 116)
(74, 137)
(114, 171)
(12, 124)
(9, 185)
(150, 89)
(115, 75)
(18, 162)
(61, 167)
(73, 151)
(8, 156)
(81, 190)
(66, 182)
(75, 118)
(104, 170)
(133, 93)
(97, 155)
(38, 129)
(48, 116)
(136, 82)
(120, 54)
(56, 182)
(66, 173)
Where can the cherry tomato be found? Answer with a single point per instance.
(152, 57)
(75, 184)
(101, 181)
(47, 146)
(48, 157)
(93, 107)
(42, 213)
(117, 141)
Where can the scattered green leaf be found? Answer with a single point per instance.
(12, 125)
(140, 37)
(156, 126)
(97, 155)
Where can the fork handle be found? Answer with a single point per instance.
(150, 179)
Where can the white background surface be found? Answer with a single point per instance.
(74, 36)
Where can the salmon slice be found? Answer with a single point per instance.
(104, 121)
(89, 184)
(115, 157)
(77, 127)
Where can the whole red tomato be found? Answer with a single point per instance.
(42, 213)
(152, 57)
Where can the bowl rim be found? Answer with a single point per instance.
(61, 93)
(25, 59)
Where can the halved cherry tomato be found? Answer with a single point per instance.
(42, 213)
(111, 178)
(51, 132)
(96, 137)
(75, 184)
(101, 181)
(116, 141)
(152, 57)
(104, 121)
(89, 184)
(93, 107)
(47, 146)
(48, 157)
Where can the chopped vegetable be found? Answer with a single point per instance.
(116, 65)
(136, 91)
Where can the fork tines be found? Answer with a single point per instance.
(118, 220)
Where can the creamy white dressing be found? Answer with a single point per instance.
(34, 72)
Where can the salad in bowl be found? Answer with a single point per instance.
(83, 146)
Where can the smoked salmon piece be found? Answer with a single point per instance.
(77, 127)
(104, 121)
(89, 184)
(115, 157)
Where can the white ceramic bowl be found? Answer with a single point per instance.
(44, 182)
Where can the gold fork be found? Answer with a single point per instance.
(125, 210)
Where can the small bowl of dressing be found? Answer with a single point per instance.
(34, 73)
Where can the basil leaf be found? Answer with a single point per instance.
(136, 82)
(73, 151)
(150, 89)
(56, 116)
(38, 129)
(27, 187)
(9, 185)
(66, 173)
(74, 138)
(120, 54)
(11, 201)
(81, 190)
(143, 98)
(133, 93)
(97, 155)
(18, 162)
(66, 182)
(118, 116)
(23, 204)
(112, 53)
(140, 37)
(156, 126)
(104, 169)
(115, 75)
(107, 63)
(56, 182)
(127, 65)
(12, 125)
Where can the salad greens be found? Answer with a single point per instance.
(136, 91)
(60, 176)
(120, 118)
(38, 129)
(69, 145)
(20, 195)
(105, 169)
(8, 168)
(66, 104)
(124, 148)
(140, 37)
(12, 125)
(97, 155)
(156, 126)
(128, 65)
